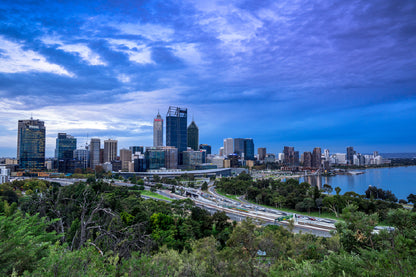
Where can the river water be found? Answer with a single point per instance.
(400, 180)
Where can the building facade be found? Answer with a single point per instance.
(94, 148)
(261, 152)
(248, 149)
(205, 147)
(228, 146)
(65, 146)
(31, 144)
(176, 128)
(316, 157)
(110, 150)
(158, 131)
(193, 136)
(125, 158)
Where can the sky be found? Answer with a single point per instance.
(327, 74)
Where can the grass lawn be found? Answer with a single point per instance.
(234, 197)
(154, 195)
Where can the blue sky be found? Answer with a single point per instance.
(300, 73)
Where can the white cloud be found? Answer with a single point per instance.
(137, 53)
(84, 52)
(151, 32)
(188, 52)
(79, 48)
(14, 59)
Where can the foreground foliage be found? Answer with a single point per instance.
(95, 229)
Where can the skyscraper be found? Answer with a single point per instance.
(307, 159)
(158, 131)
(316, 157)
(110, 150)
(262, 153)
(94, 152)
(289, 155)
(193, 136)
(239, 146)
(350, 154)
(228, 146)
(31, 144)
(65, 146)
(248, 149)
(176, 128)
(125, 158)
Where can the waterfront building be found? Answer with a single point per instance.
(228, 146)
(307, 159)
(289, 155)
(193, 136)
(316, 157)
(110, 150)
(31, 144)
(94, 148)
(157, 131)
(350, 155)
(261, 153)
(125, 158)
(176, 128)
(65, 146)
(205, 147)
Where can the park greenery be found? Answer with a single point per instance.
(94, 228)
(303, 197)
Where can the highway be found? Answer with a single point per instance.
(235, 210)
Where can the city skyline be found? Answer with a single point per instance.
(304, 74)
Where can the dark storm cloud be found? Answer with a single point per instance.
(280, 63)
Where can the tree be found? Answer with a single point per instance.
(327, 188)
(24, 242)
(204, 186)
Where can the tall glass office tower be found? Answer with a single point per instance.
(193, 136)
(176, 128)
(65, 146)
(31, 144)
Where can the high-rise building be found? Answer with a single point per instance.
(82, 155)
(110, 150)
(228, 146)
(176, 128)
(125, 158)
(262, 153)
(136, 149)
(307, 159)
(248, 149)
(239, 146)
(65, 146)
(31, 144)
(171, 157)
(205, 147)
(155, 158)
(193, 136)
(350, 155)
(289, 155)
(316, 157)
(94, 152)
(158, 131)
